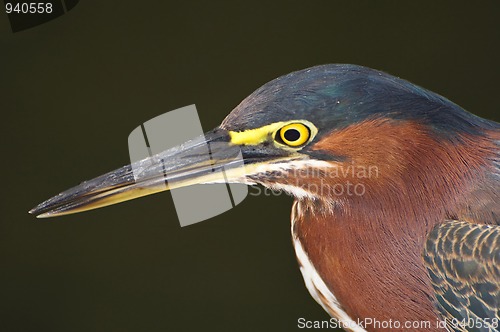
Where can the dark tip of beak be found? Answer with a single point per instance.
(190, 163)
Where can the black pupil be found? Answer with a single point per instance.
(292, 135)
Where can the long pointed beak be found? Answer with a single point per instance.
(207, 159)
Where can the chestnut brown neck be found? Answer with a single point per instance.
(368, 248)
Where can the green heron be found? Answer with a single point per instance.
(418, 241)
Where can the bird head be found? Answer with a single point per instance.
(309, 133)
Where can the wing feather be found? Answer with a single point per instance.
(463, 262)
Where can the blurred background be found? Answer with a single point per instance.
(74, 88)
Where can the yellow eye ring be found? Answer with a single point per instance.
(294, 134)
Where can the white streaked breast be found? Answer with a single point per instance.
(316, 286)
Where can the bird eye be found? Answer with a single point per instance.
(294, 134)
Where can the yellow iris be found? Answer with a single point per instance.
(294, 134)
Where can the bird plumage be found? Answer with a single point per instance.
(463, 262)
(397, 192)
(435, 162)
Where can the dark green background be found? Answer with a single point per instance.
(74, 88)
